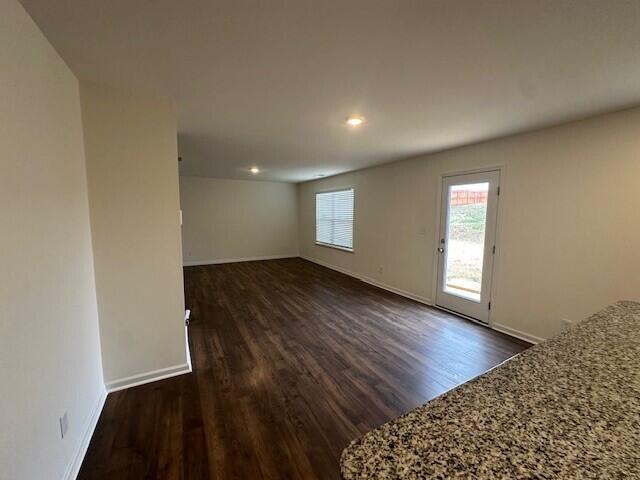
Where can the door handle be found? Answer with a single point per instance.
(440, 249)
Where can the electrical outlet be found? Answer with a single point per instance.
(566, 324)
(64, 424)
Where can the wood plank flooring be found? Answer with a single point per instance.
(291, 361)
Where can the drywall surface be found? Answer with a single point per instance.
(132, 171)
(49, 339)
(237, 219)
(568, 227)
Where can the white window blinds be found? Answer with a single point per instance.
(334, 218)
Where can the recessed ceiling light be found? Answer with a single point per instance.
(254, 170)
(354, 120)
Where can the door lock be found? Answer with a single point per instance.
(441, 250)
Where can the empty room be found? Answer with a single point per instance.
(324, 240)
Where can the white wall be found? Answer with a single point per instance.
(132, 169)
(235, 219)
(569, 225)
(49, 341)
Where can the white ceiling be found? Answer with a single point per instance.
(269, 83)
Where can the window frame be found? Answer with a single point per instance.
(353, 223)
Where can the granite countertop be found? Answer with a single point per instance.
(566, 408)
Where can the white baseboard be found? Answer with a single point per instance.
(74, 466)
(371, 281)
(186, 337)
(427, 301)
(517, 333)
(148, 377)
(236, 260)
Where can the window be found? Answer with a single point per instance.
(334, 218)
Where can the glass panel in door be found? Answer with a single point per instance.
(465, 239)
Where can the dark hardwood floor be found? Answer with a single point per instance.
(291, 361)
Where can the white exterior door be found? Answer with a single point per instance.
(467, 243)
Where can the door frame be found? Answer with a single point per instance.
(501, 168)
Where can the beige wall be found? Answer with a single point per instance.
(568, 229)
(49, 341)
(132, 170)
(236, 219)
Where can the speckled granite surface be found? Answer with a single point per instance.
(567, 408)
